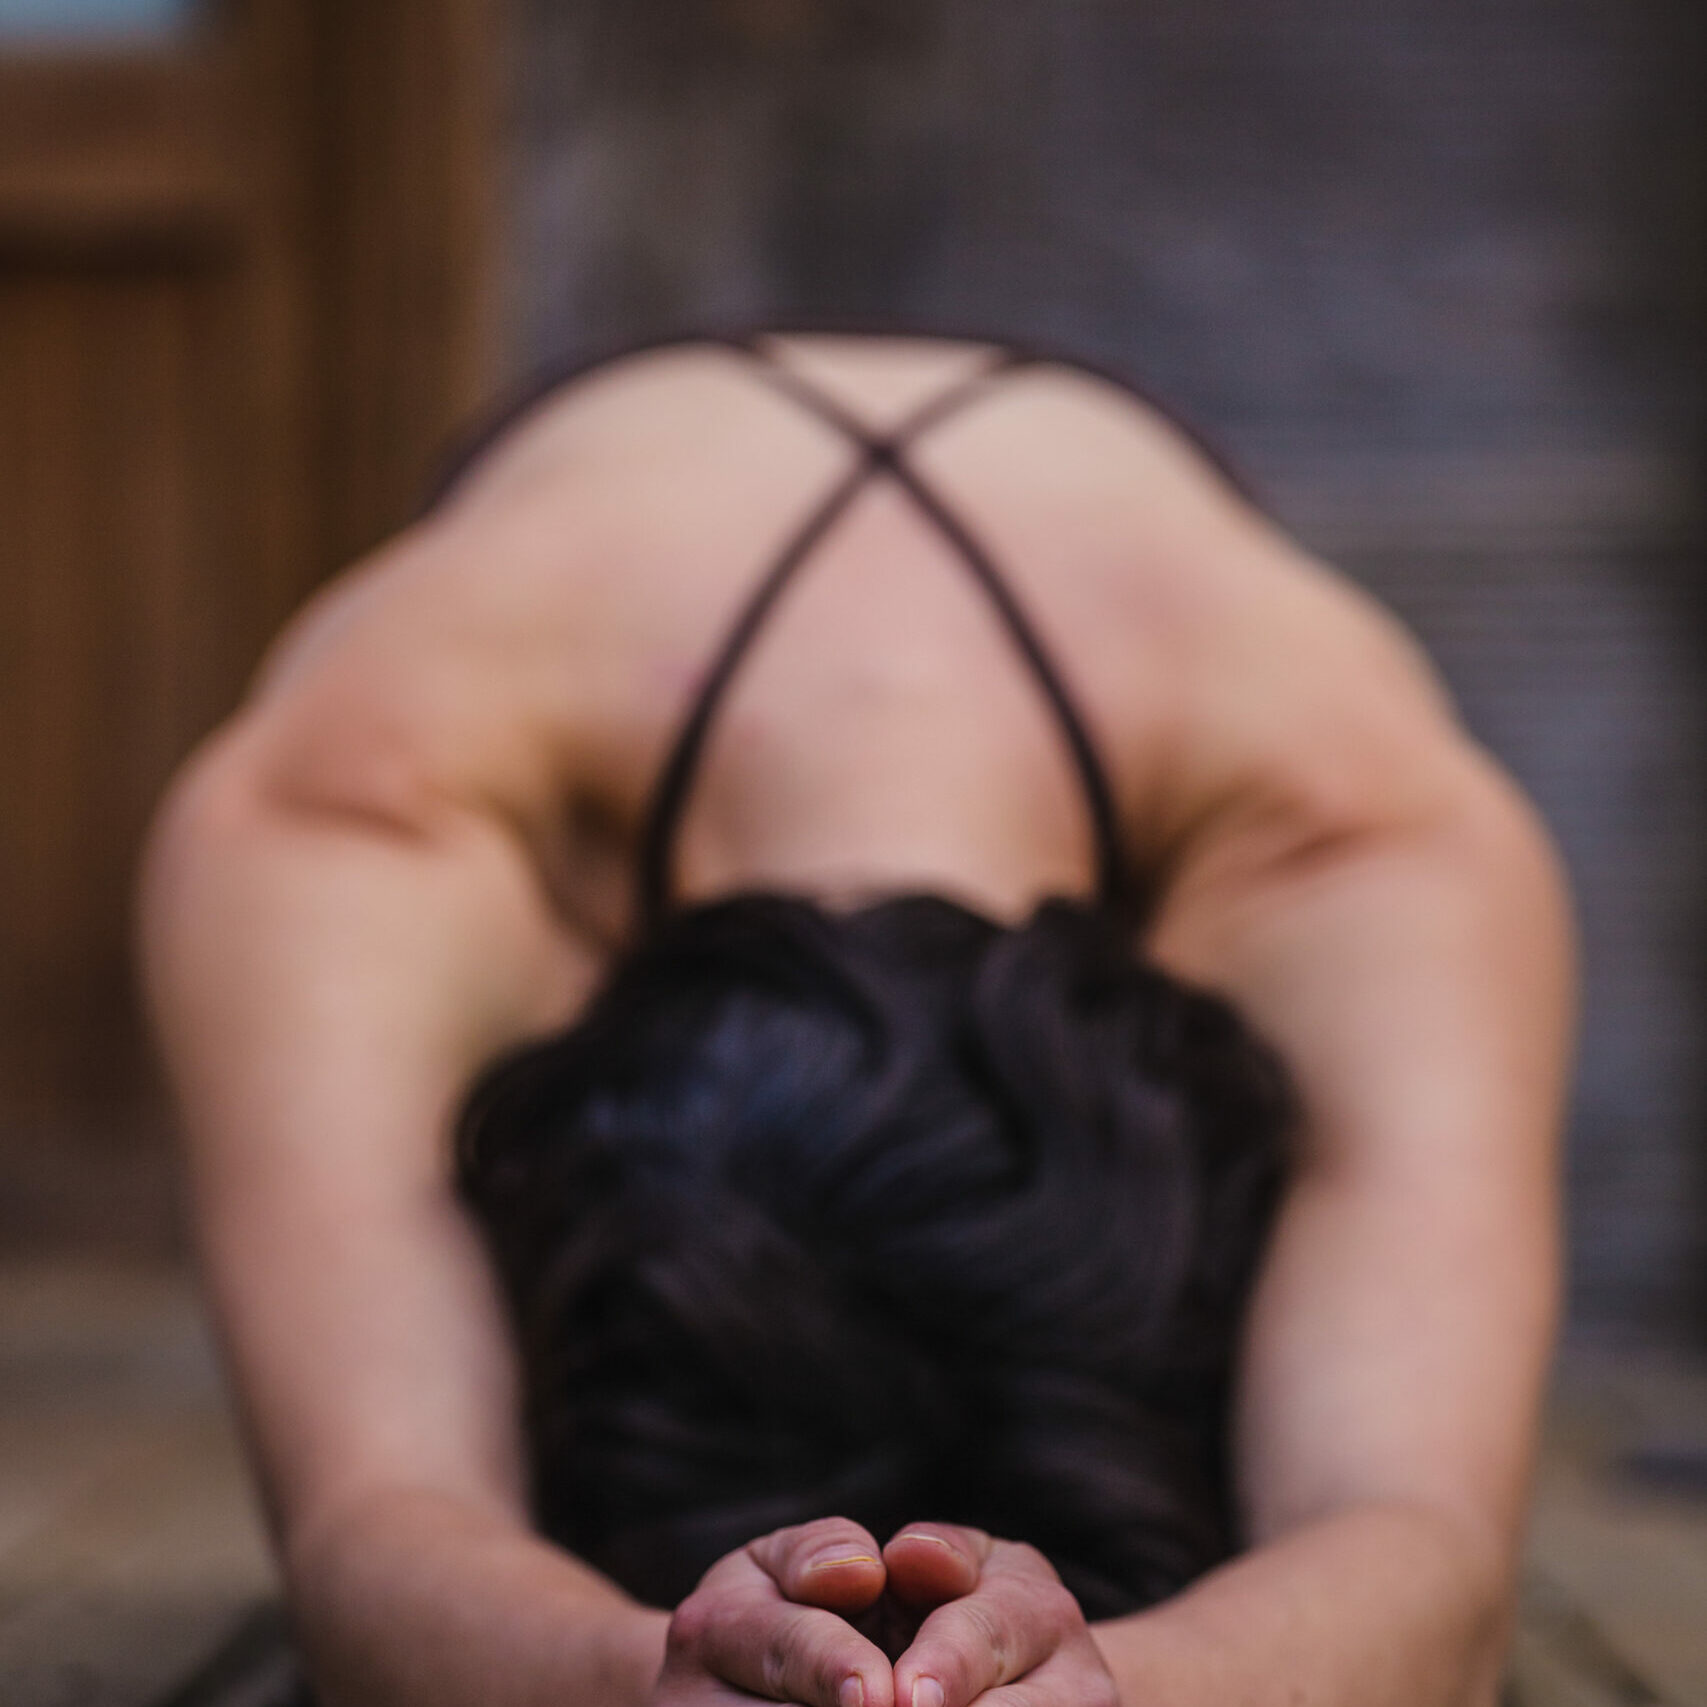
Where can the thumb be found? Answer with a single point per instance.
(832, 1563)
(928, 1564)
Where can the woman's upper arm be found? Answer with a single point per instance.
(1414, 970)
(328, 963)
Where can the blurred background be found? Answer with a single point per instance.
(1434, 272)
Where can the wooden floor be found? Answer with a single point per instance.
(133, 1572)
(130, 1550)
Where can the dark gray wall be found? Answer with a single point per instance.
(1433, 270)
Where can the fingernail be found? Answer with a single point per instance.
(843, 1559)
(852, 1692)
(935, 1541)
(927, 1692)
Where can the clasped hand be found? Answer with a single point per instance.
(943, 1616)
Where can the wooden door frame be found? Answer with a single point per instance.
(371, 133)
(317, 182)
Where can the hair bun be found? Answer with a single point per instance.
(893, 1214)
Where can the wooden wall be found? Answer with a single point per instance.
(242, 287)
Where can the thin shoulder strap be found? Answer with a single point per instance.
(881, 455)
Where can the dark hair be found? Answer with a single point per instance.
(892, 1214)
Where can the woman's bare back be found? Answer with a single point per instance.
(537, 640)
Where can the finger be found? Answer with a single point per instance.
(832, 1563)
(754, 1640)
(1014, 1621)
(929, 1563)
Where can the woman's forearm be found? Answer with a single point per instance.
(323, 983)
(1418, 982)
(1379, 1605)
(414, 1599)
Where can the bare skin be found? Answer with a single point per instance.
(414, 846)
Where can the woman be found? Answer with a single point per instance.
(417, 849)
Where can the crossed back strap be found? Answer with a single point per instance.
(880, 456)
